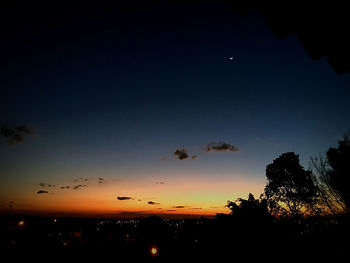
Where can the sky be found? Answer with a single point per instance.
(167, 108)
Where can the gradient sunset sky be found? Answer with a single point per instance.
(112, 93)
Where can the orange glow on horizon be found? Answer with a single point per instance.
(192, 195)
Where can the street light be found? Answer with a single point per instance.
(154, 251)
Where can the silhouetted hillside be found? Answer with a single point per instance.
(227, 237)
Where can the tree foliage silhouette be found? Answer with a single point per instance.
(290, 188)
(339, 174)
(251, 207)
(328, 200)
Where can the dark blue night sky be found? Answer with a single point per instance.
(116, 93)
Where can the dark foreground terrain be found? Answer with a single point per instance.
(224, 238)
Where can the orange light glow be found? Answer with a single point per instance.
(200, 196)
(154, 251)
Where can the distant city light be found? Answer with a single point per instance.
(55, 220)
(21, 223)
(154, 251)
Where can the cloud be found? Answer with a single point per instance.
(24, 129)
(160, 182)
(171, 210)
(197, 208)
(15, 139)
(181, 154)
(101, 180)
(42, 192)
(194, 157)
(80, 179)
(15, 134)
(220, 147)
(74, 187)
(6, 131)
(179, 206)
(122, 198)
(79, 186)
(165, 158)
(46, 185)
(153, 203)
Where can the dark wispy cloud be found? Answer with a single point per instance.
(220, 147)
(181, 153)
(197, 208)
(15, 134)
(46, 185)
(79, 186)
(123, 198)
(153, 203)
(165, 158)
(101, 180)
(179, 206)
(80, 179)
(42, 192)
(161, 182)
(171, 210)
(74, 187)
(194, 157)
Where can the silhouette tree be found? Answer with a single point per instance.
(290, 188)
(251, 207)
(339, 174)
(328, 200)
